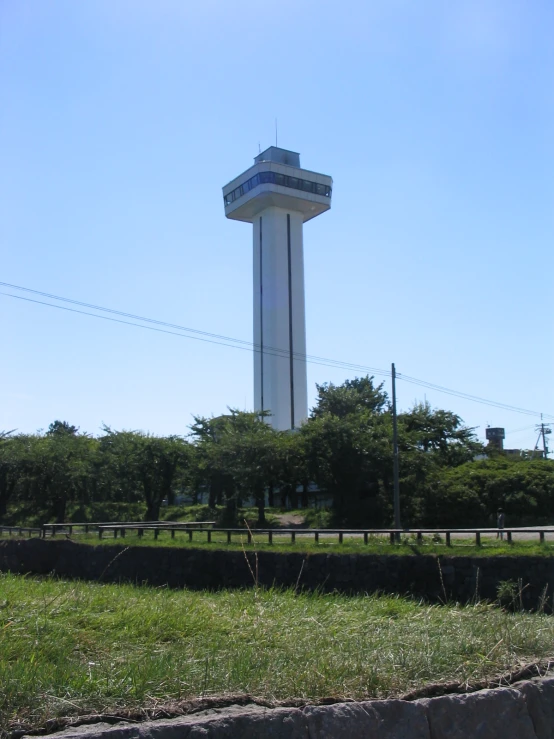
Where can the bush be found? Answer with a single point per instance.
(190, 513)
(106, 512)
(317, 518)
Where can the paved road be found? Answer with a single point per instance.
(522, 536)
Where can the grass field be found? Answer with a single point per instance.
(69, 648)
(329, 543)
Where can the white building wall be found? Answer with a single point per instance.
(280, 386)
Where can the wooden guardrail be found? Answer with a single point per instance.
(20, 530)
(55, 527)
(392, 534)
(207, 527)
(140, 528)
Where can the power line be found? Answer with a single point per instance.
(153, 328)
(523, 428)
(275, 351)
(211, 338)
(467, 396)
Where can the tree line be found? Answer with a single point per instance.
(344, 449)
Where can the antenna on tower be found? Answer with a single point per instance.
(259, 148)
(276, 132)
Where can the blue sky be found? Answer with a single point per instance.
(120, 122)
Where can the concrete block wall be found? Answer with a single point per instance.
(436, 579)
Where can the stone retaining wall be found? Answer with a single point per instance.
(523, 711)
(435, 578)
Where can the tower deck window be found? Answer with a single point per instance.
(275, 178)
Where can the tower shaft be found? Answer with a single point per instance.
(277, 197)
(280, 379)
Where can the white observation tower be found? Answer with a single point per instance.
(276, 196)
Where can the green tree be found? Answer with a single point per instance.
(439, 432)
(351, 398)
(117, 472)
(240, 456)
(145, 464)
(52, 470)
(430, 441)
(211, 468)
(63, 458)
(349, 451)
(10, 462)
(291, 468)
(347, 444)
(470, 494)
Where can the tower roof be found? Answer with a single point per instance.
(280, 156)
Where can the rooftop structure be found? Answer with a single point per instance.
(495, 436)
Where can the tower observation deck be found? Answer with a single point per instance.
(276, 196)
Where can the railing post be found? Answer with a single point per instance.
(447, 535)
(340, 537)
(140, 533)
(392, 536)
(316, 535)
(190, 534)
(209, 536)
(249, 537)
(292, 537)
(366, 537)
(100, 532)
(419, 537)
(228, 537)
(541, 536)
(509, 537)
(115, 533)
(173, 533)
(478, 538)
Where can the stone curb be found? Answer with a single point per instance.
(522, 711)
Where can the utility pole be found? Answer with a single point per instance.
(397, 524)
(543, 430)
